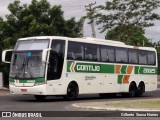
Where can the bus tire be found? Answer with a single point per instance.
(132, 90)
(40, 97)
(141, 89)
(72, 92)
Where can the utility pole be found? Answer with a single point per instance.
(82, 27)
(90, 9)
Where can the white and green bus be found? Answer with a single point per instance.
(68, 67)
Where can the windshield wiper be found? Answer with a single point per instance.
(20, 69)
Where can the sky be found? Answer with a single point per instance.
(76, 8)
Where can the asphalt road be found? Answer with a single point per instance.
(29, 103)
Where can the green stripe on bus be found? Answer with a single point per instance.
(123, 69)
(68, 66)
(36, 80)
(120, 77)
(90, 67)
(79, 67)
(136, 70)
(107, 68)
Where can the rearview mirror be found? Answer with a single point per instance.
(6, 54)
(44, 54)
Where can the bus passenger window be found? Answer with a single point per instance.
(107, 54)
(104, 55)
(133, 57)
(121, 55)
(151, 58)
(75, 51)
(71, 56)
(142, 57)
(111, 54)
(92, 52)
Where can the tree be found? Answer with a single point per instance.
(35, 19)
(136, 38)
(1, 37)
(122, 14)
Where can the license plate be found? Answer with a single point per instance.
(23, 90)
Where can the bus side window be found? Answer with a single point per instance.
(92, 52)
(71, 56)
(133, 57)
(104, 55)
(151, 58)
(56, 60)
(142, 57)
(121, 55)
(75, 51)
(111, 54)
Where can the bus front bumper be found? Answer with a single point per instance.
(34, 90)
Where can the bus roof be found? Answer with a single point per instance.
(90, 40)
(43, 37)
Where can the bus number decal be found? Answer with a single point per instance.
(148, 70)
(145, 70)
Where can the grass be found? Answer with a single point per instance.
(151, 104)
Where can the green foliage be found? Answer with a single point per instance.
(126, 19)
(35, 19)
(128, 34)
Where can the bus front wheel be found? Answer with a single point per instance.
(72, 92)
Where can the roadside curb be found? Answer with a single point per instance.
(4, 91)
(111, 109)
(5, 88)
(100, 106)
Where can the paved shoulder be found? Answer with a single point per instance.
(4, 92)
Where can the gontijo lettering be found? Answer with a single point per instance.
(88, 68)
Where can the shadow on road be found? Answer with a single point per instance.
(82, 98)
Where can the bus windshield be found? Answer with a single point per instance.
(27, 65)
(26, 60)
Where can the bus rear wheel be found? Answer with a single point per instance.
(40, 97)
(72, 92)
(132, 90)
(141, 89)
